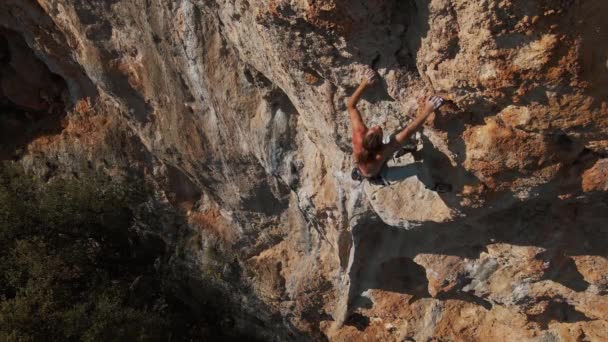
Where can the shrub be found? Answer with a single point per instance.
(67, 264)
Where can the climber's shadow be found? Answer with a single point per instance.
(435, 170)
(400, 173)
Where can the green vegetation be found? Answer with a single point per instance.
(74, 267)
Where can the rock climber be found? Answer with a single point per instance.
(369, 151)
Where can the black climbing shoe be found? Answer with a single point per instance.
(378, 180)
(442, 187)
(356, 175)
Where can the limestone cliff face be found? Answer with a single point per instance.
(235, 110)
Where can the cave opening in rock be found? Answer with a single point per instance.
(32, 98)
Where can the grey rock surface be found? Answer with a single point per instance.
(235, 111)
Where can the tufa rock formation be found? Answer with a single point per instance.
(235, 111)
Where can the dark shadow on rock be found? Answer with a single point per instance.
(261, 199)
(558, 310)
(564, 228)
(440, 168)
(383, 260)
(373, 94)
(417, 24)
(402, 275)
(119, 84)
(537, 95)
(31, 96)
(345, 243)
(465, 297)
(403, 172)
(451, 119)
(215, 300)
(513, 40)
(361, 302)
(182, 191)
(358, 321)
(99, 29)
(435, 170)
(378, 93)
(592, 34)
(562, 269)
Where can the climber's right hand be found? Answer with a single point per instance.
(433, 103)
(370, 77)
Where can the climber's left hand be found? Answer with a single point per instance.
(370, 77)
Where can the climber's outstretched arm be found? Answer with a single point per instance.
(431, 104)
(355, 116)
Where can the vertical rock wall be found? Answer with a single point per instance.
(236, 111)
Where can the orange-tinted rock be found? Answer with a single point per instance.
(596, 178)
(235, 111)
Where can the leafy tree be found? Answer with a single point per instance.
(70, 265)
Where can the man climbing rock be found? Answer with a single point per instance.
(369, 151)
